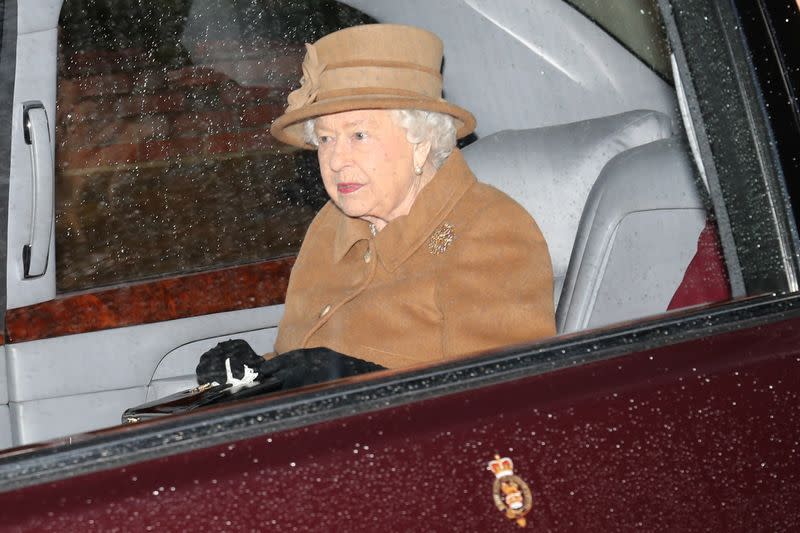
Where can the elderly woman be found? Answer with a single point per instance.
(412, 260)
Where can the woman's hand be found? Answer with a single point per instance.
(314, 365)
(294, 369)
(212, 365)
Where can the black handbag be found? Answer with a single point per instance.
(194, 398)
(289, 370)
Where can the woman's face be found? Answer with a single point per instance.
(367, 164)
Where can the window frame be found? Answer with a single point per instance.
(706, 97)
(750, 173)
(777, 77)
(8, 60)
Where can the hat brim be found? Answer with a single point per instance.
(288, 128)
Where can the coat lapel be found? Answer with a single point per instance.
(405, 235)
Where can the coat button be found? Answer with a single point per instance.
(367, 256)
(325, 310)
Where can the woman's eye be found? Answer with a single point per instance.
(360, 135)
(323, 139)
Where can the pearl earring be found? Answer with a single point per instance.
(418, 171)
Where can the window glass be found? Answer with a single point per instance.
(164, 160)
(779, 75)
(634, 23)
(770, 29)
(164, 163)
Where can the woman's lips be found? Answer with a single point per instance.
(347, 188)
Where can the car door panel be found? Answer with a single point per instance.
(672, 435)
(49, 418)
(46, 368)
(35, 82)
(56, 384)
(105, 347)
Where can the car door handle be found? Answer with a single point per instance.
(37, 136)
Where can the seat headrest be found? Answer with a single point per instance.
(551, 170)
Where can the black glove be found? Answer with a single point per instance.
(212, 363)
(313, 365)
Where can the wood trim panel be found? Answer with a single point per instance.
(229, 289)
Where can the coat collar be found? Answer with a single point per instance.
(404, 235)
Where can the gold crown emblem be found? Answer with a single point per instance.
(511, 494)
(501, 466)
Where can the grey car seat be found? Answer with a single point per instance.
(551, 170)
(636, 237)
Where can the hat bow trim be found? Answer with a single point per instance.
(309, 83)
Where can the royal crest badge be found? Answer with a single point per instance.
(512, 496)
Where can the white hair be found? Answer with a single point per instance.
(420, 126)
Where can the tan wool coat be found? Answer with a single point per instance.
(466, 270)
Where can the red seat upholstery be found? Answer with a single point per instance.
(706, 278)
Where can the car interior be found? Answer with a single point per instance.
(573, 123)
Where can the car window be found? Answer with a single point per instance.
(636, 24)
(164, 163)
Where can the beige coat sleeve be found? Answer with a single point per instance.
(496, 287)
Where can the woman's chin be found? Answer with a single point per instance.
(353, 211)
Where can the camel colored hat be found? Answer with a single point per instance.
(375, 66)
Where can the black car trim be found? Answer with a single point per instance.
(771, 30)
(735, 139)
(705, 155)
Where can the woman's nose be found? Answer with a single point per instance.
(339, 155)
